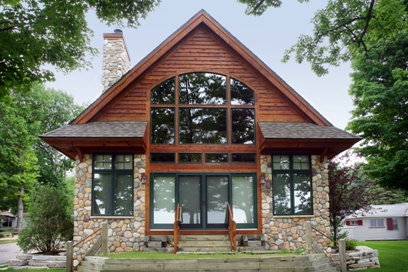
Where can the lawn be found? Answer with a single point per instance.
(2, 242)
(393, 255)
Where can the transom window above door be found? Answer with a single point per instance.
(202, 108)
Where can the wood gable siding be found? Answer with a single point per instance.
(200, 51)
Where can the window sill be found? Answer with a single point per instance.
(111, 217)
(377, 227)
(293, 216)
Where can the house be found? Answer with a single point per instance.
(8, 219)
(381, 222)
(200, 122)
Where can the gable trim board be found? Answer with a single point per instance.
(201, 17)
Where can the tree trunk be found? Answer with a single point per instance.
(20, 209)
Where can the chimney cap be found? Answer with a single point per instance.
(117, 31)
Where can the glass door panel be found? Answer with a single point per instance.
(217, 200)
(190, 201)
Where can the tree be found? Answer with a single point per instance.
(37, 32)
(380, 96)
(372, 34)
(348, 191)
(50, 222)
(24, 158)
(387, 196)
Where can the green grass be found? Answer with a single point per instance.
(392, 255)
(2, 242)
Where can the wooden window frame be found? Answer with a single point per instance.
(291, 172)
(113, 171)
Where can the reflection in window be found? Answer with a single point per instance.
(243, 157)
(241, 94)
(190, 199)
(243, 199)
(162, 157)
(162, 120)
(216, 158)
(202, 88)
(292, 188)
(190, 157)
(164, 93)
(164, 199)
(217, 199)
(112, 186)
(243, 126)
(203, 126)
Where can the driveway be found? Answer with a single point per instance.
(9, 251)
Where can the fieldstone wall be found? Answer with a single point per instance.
(125, 233)
(116, 60)
(289, 231)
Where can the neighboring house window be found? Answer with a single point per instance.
(392, 224)
(292, 185)
(112, 187)
(376, 223)
(354, 222)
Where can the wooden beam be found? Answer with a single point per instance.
(81, 158)
(322, 155)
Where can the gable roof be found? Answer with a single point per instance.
(200, 18)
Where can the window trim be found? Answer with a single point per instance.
(113, 173)
(376, 223)
(291, 171)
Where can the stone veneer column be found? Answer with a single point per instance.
(125, 233)
(289, 231)
(116, 60)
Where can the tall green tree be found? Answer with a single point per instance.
(38, 32)
(372, 34)
(24, 158)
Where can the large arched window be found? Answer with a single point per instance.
(202, 108)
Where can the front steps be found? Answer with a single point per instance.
(307, 263)
(204, 243)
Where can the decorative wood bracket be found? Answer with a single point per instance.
(322, 155)
(81, 158)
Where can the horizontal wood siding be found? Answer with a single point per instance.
(201, 51)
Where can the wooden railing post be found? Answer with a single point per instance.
(232, 228)
(69, 257)
(342, 252)
(104, 238)
(177, 222)
(308, 229)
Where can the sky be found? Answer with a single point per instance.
(267, 36)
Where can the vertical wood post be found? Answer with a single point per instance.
(342, 251)
(69, 261)
(308, 229)
(104, 238)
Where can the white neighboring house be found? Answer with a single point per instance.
(382, 222)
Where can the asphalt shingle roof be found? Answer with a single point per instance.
(390, 210)
(286, 130)
(114, 129)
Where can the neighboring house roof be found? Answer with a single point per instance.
(9, 214)
(114, 129)
(391, 210)
(285, 130)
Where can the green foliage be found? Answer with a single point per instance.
(387, 196)
(344, 27)
(38, 32)
(24, 158)
(351, 244)
(258, 7)
(50, 222)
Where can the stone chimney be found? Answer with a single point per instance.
(116, 59)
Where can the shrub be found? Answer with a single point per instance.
(351, 244)
(50, 222)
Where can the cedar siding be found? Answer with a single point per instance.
(201, 51)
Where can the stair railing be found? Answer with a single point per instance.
(177, 222)
(232, 229)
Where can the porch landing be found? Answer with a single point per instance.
(309, 263)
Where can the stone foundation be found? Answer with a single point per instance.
(125, 233)
(288, 232)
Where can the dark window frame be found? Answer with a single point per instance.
(292, 172)
(113, 171)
